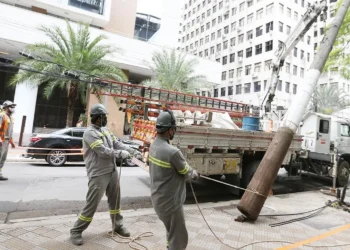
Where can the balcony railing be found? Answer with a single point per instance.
(95, 6)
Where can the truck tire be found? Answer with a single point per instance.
(343, 173)
(248, 173)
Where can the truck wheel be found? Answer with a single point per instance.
(248, 173)
(343, 173)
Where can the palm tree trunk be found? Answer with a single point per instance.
(72, 97)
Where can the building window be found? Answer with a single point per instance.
(196, 44)
(248, 70)
(232, 57)
(240, 54)
(308, 40)
(241, 7)
(265, 83)
(257, 67)
(208, 12)
(281, 8)
(233, 26)
(259, 31)
(89, 5)
(238, 89)
(214, 8)
(321, 31)
(226, 16)
(247, 88)
(207, 25)
(213, 36)
(295, 70)
(224, 62)
(268, 46)
(294, 89)
(315, 46)
(295, 52)
(221, 4)
(225, 44)
(259, 14)
(239, 72)
(226, 30)
(212, 50)
(233, 41)
(288, 68)
(249, 3)
(257, 86)
(315, 33)
(250, 35)
(218, 47)
(280, 26)
(200, 53)
(289, 12)
(302, 72)
(302, 54)
(249, 52)
(240, 39)
(201, 42)
(269, 27)
(250, 19)
(219, 19)
(213, 22)
(288, 29)
(241, 22)
(287, 86)
(206, 52)
(216, 93)
(219, 33)
(296, 16)
(269, 9)
(203, 93)
(231, 73)
(308, 57)
(258, 49)
(230, 90)
(207, 39)
(223, 76)
(234, 11)
(202, 28)
(279, 85)
(302, 3)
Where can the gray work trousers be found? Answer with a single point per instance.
(3, 154)
(97, 187)
(177, 236)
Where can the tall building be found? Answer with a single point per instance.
(244, 36)
(115, 19)
(332, 76)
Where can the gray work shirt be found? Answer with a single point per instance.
(100, 150)
(8, 133)
(169, 171)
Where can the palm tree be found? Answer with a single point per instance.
(174, 72)
(329, 99)
(70, 50)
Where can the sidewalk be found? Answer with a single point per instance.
(53, 232)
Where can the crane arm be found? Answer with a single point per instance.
(297, 34)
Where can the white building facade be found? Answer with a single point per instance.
(244, 37)
(19, 28)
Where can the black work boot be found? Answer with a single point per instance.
(76, 239)
(122, 231)
(3, 178)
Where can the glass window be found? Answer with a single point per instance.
(249, 3)
(302, 54)
(233, 41)
(232, 57)
(268, 46)
(288, 68)
(219, 33)
(248, 69)
(269, 9)
(258, 49)
(231, 73)
(295, 70)
(247, 87)
(241, 22)
(294, 89)
(233, 26)
(230, 90)
(250, 35)
(295, 52)
(214, 8)
(269, 27)
(296, 16)
(280, 26)
(89, 5)
(289, 12)
(78, 133)
(238, 89)
(240, 39)
(221, 5)
(241, 7)
(257, 67)
(324, 126)
(239, 72)
(223, 75)
(302, 72)
(257, 86)
(225, 44)
(213, 22)
(287, 86)
(279, 85)
(226, 30)
(250, 19)
(344, 130)
(259, 14)
(224, 62)
(288, 30)
(281, 8)
(216, 93)
(234, 11)
(249, 52)
(259, 31)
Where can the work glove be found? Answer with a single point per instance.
(122, 154)
(195, 175)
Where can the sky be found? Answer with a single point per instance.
(152, 7)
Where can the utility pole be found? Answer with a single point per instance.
(252, 203)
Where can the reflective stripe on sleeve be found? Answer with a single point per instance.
(96, 143)
(83, 218)
(185, 170)
(159, 163)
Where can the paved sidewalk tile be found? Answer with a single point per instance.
(220, 218)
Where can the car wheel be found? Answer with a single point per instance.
(129, 163)
(56, 158)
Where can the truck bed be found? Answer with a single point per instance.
(200, 137)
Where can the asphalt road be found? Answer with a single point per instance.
(36, 190)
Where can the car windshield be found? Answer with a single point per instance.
(65, 131)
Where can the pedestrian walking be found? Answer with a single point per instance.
(169, 172)
(6, 131)
(101, 148)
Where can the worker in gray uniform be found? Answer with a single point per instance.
(101, 148)
(169, 172)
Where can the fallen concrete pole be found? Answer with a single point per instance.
(252, 203)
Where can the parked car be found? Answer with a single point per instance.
(64, 145)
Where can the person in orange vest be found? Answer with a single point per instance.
(6, 130)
